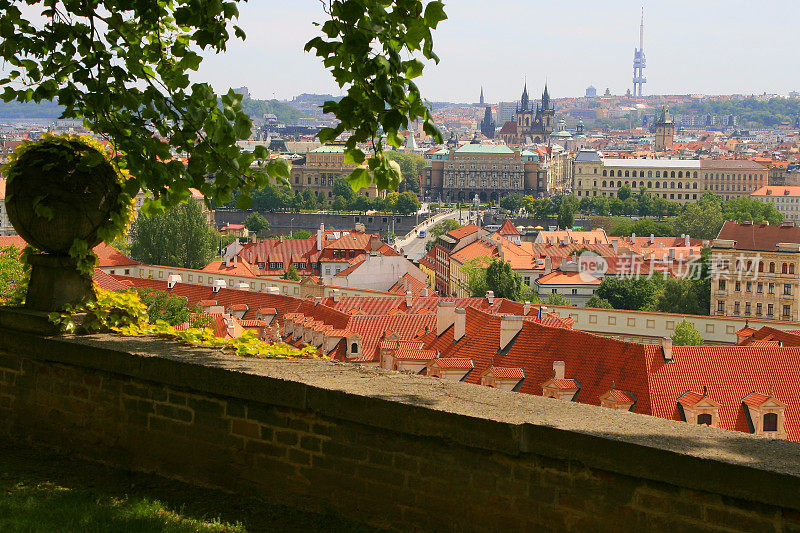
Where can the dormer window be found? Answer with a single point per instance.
(559, 387)
(354, 348)
(765, 414)
(618, 399)
(697, 408)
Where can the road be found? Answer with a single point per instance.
(414, 247)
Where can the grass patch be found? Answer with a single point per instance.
(43, 491)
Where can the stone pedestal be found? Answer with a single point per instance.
(56, 282)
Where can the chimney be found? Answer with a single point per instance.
(490, 297)
(445, 316)
(526, 308)
(319, 237)
(335, 293)
(425, 291)
(558, 369)
(666, 347)
(615, 244)
(409, 298)
(273, 290)
(686, 240)
(652, 239)
(281, 239)
(217, 285)
(510, 325)
(460, 324)
(317, 300)
(633, 238)
(230, 327)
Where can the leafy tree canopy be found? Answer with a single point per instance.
(123, 67)
(637, 293)
(256, 223)
(161, 305)
(13, 276)
(599, 303)
(686, 334)
(291, 273)
(512, 202)
(179, 237)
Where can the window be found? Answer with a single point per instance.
(735, 308)
(704, 419)
(720, 306)
(574, 291)
(770, 309)
(759, 287)
(354, 347)
(722, 284)
(772, 268)
(758, 309)
(787, 311)
(747, 308)
(784, 268)
(748, 286)
(787, 289)
(760, 268)
(791, 268)
(771, 422)
(554, 291)
(771, 288)
(737, 287)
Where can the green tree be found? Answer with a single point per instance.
(272, 198)
(746, 208)
(291, 273)
(624, 192)
(309, 199)
(407, 203)
(701, 220)
(411, 167)
(123, 68)
(511, 202)
(503, 281)
(300, 234)
(599, 303)
(566, 216)
(13, 276)
(161, 305)
(360, 203)
(256, 223)
(321, 200)
(558, 299)
(342, 189)
(686, 334)
(634, 292)
(179, 237)
(339, 204)
(474, 271)
(680, 296)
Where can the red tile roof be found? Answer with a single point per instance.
(764, 237)
(453, 362)
(508, 228)
(107, 281)
(564, 383)
(506, 372)
(460, 233)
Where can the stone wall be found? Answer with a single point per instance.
(391, 450)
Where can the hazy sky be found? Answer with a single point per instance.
(697, 46)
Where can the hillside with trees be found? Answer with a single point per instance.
(752, 112)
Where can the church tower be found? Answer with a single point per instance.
(488, 125)
(665, 131)
(481, 100)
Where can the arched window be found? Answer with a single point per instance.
(791, 268)
(772, 268)
(633, 184)
(656, 182)
(658, 173)
(695, 174)
(672, 174)
(761, 266)
(649, 173)
(627, 174)
(680, 185)
(694, 185)
(784, 268)
(604, 183)
(354, 348)
(771, 422)
(619, 173)
(704, 418)
(672, 184)
(680, 174)
(604, 172)
(619, 184)
(649, 184)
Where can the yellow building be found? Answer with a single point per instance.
(321, 168)
(756, 271)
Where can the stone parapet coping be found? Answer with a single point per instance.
(729, 463)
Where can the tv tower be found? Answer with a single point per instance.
(639, 62)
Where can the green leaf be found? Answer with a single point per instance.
(394, 138)
(278, 167)
(434, 13)
(359, 178)
(414, 68)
